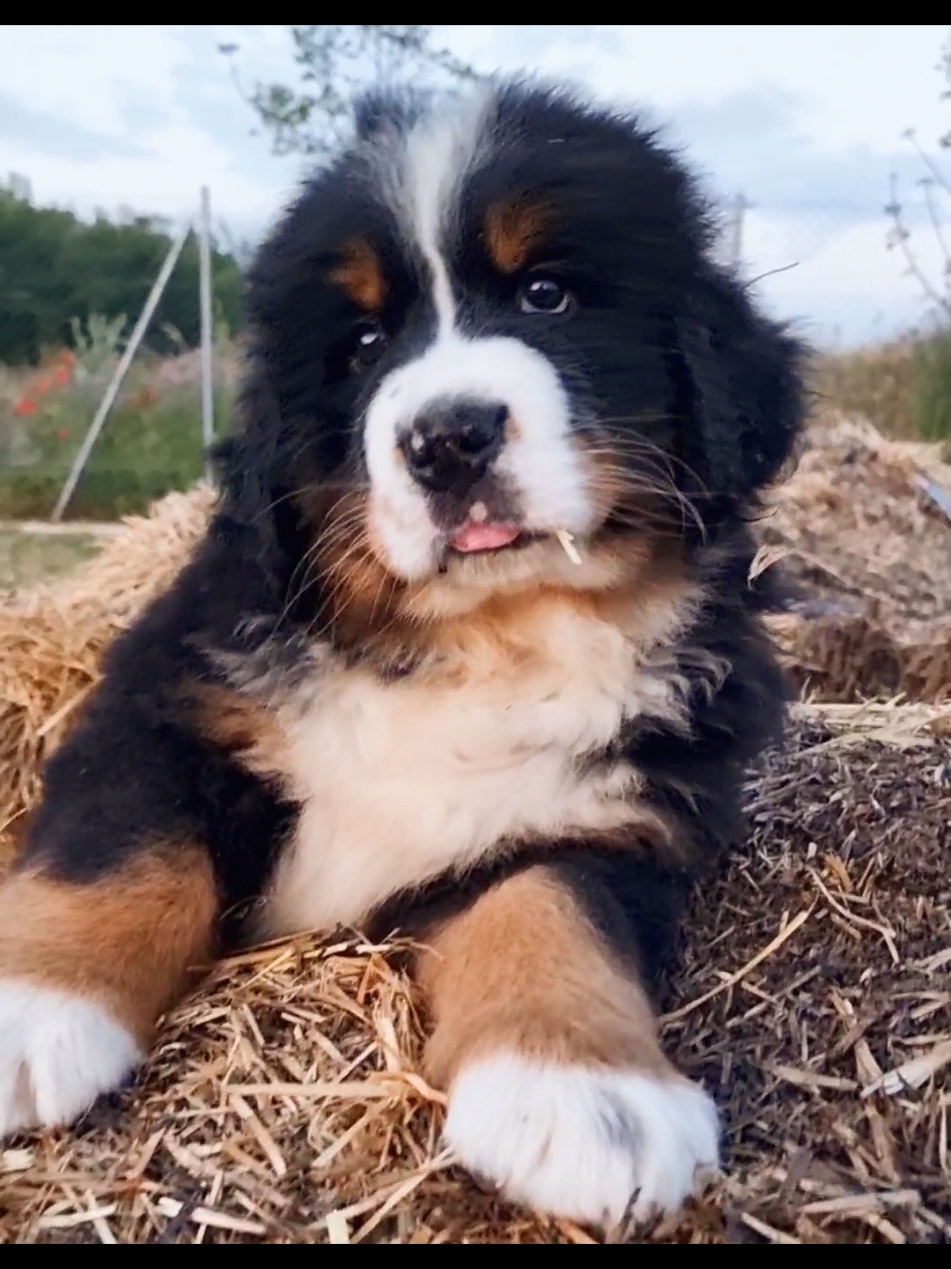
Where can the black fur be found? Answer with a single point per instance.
(663, 348)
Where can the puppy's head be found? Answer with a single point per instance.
(493, 322)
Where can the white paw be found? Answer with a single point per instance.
(580, 1142)
(58, 1052)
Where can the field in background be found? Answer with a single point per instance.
(151, 443)
(904, 388)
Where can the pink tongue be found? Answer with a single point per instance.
(483, 537)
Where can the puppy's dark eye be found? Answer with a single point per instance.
(368, 345)
(544, 295)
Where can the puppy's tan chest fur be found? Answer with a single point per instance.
(400, 781)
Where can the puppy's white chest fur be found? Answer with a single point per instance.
(400, 781)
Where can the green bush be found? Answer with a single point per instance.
(54, 267)
(142, 454)
(904, 388)
(932, 392)
(151, 442)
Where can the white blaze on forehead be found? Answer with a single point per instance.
(423, 180)
(439, 155)
(423, 173)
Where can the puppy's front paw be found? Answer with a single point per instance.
(58, 1052)
(582, 1142)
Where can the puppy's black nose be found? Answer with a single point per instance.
(451, 443)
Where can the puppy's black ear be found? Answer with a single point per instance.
(738, 392)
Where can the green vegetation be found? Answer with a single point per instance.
(903, 387)
(55, 269)
(150, 445)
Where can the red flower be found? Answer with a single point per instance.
(61, 376)
(63, 434)
(23, 409)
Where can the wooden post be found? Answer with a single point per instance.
(122, 369)
(207, 330)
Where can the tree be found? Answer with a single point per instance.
(935, 185)
(931, 356)
(55, 267)
(333, 64)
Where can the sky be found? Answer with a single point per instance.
(805, 123)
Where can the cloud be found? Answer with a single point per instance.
(46, 132)
(752, 142)
(844, 289)
(752, 115)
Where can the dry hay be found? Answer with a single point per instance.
(870, 553)
(51, 639)
(281, 1102)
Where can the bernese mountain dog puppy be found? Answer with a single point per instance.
(469, 650)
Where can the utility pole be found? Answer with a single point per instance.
(740, 207)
